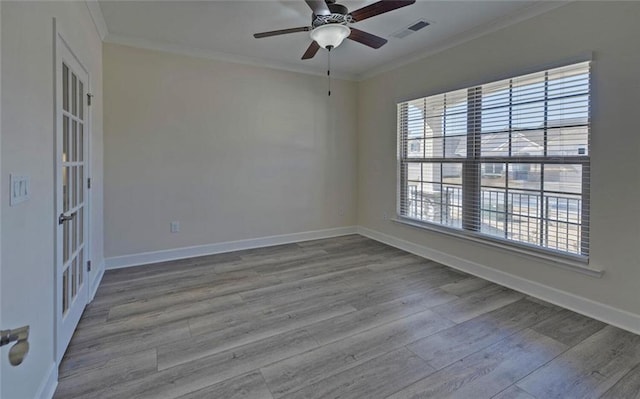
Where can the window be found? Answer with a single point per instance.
(507, 160)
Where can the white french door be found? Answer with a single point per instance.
(71, 194)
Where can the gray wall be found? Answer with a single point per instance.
(608, 29)
(238, 152)
(230, 151)
(27, 149)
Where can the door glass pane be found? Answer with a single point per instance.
(65, 188)
(80, 185)
(65, 139)
(72, 181)
(74, 95)
(65, 87)
(65, 242)
(80, 267)
(65, 291)
(74, 272)
(74, 186)
(74, 238)
(74, 141)
(80, 142)
(81, 99)
(80, 218)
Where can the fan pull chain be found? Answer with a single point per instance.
(329, 67)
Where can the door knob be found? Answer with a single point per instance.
(65, 218)
(19, 351)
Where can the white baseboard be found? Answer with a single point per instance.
(608, 314)
(118, 262)
(49, 384)
(599, 311)
(96, 281)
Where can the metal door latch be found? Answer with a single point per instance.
(20, 336)
(65, 218)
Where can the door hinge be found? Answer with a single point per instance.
(89, 183)
(88, 265)
(89, 97)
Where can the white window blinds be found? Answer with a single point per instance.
(507, 160)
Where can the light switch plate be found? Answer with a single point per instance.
(20, 190)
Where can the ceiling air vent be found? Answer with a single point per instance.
(414, 27)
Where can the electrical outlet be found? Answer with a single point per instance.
(175, 227)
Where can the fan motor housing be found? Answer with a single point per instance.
(338, 9)
(330, 24)
(339, 15)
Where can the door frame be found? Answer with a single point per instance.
(60, 43)
(1, 325)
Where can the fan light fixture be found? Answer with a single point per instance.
(330, 35)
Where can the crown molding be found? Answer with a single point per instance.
(98, 19)
(504, 21)
(219, 56)
(513, 18)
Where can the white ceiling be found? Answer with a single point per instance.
(224, 29)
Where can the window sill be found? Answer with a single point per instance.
(577, 264)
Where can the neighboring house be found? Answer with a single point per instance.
(561, 141)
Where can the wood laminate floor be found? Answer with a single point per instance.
(341, 318)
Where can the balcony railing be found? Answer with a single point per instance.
(537, 218)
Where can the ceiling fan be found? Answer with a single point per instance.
(330, 24)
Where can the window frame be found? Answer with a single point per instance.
(475, 161)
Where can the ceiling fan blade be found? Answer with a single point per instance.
(379, 8)
(281, 32)
(367, 39)
(311, 51)
(319, 7)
